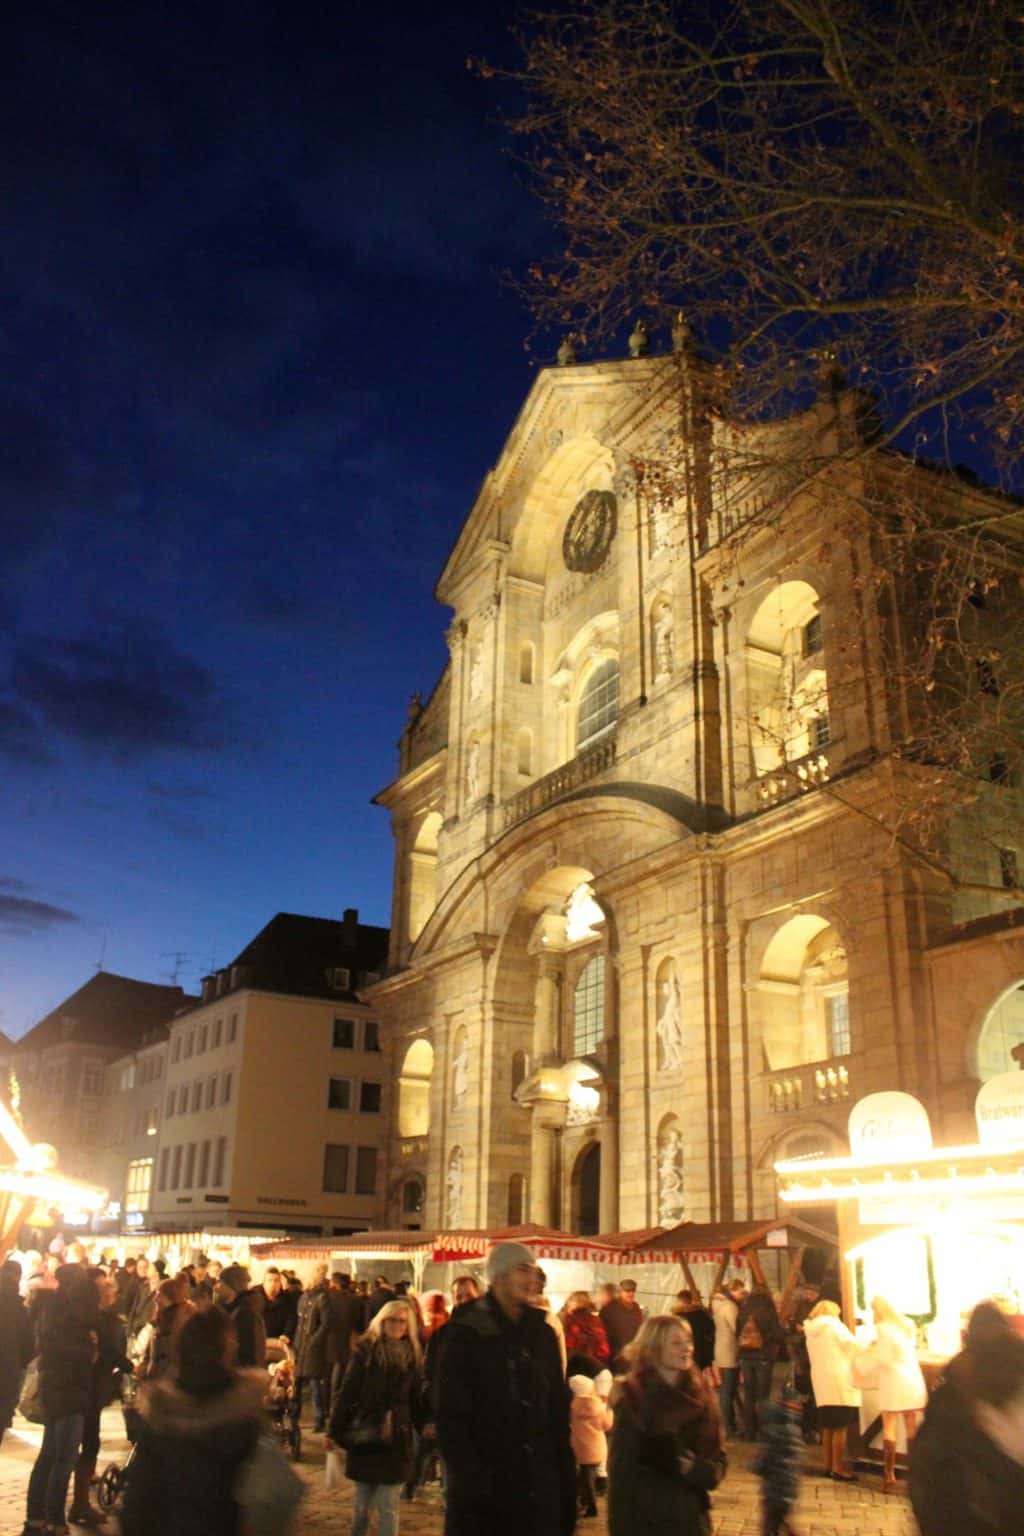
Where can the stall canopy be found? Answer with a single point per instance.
(543, 1243)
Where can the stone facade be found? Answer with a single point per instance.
(640, 948)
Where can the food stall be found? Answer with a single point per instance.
(32, 1191)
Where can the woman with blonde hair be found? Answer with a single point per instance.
(830, 1349)
(376, 1411)
(666, 1451)
(901, 1389)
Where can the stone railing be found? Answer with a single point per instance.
(797, 1088)
(792, 779)
(561, 782)
(413, 1146)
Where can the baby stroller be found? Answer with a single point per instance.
(113, 1480)
(281, 1401)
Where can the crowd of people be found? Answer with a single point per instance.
(531, 1415)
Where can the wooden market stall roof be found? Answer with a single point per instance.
(385, 1245)
(696, 1239)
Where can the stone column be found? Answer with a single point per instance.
(547, 1007)
(608, 1216)
(542, 1169)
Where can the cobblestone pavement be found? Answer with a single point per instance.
(825, 1508)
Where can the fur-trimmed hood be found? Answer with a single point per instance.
(168, 1410)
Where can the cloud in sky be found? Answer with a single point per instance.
(22, 915)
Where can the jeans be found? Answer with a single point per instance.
(48, 1484)
(316, 1392)
(727, 1397)
(756, 1376)
(380, 1496)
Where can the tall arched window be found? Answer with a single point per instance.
(414, 1089)
(599, 704)
(1001, 1034)
(588, 1008)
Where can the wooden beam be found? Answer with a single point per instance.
(691, 1282)
(750, 1254)
(795, 1270)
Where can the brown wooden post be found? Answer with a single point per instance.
(691, 1282)
(755, 1265)
(795, 1270)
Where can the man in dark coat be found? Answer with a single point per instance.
(382, 1292)
(15, 1341)
(759, 1340)
(343, 1317)
(621, 1318)
(244, 1306)
(311, 1349)
(503, 1412)
(280, 1307)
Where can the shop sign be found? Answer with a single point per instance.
(999, 1110)
(890, 1124)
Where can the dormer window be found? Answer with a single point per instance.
(342, 978)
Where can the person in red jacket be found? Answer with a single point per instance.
(586, 1341)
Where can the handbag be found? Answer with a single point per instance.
(30, 1400)
(268, 1490)
(751, 1336)
(369, 1434)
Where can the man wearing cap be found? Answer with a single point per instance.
(503, 1412)
(243, 1306)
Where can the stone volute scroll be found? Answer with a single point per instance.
(671, 1201)
(453, 1189)
(669, 1026)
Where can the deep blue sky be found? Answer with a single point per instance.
(255, 359)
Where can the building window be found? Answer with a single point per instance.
(188, 1177)
(127, 1079)
(599, 704)
(232, 1028)
(1009, 870)
(218, 1033)
(197, 1096)
(175, 1049)
(211, 1091)
(183, 1099)
(369, 1098)
(220, 1162)
(176, 1168)
(204, 1165)
(164, 1159)
(170, 1105)
(335, 1169)
(821, 732)
(412, 1197)
(339, 1093)
(366, 1170)
(342, 979)
(588, 1008)
(371, 1035)
(837, 1010)
(344, 1038)
(204, 1039)
(225, 1088)
(812, 636)
(189, 1043)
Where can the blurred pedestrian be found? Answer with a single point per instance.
(778, 1460)
(586, 1342)
(902, 1393)
(759, 1338)
(311, 1349)
(110, 1364)
(15, 1341)
(590, 1419)
(702, 1326)
(620, 1317)
(234, 1292)
(831, 1349)
(66, 1321)
(725, 1310)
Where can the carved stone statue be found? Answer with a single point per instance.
(476, 673)
(453, 1189)
(460, 1072)
(473, 773)
(670, 1025)
(671, 1201)
(664, 646)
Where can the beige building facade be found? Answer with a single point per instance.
(640, 946)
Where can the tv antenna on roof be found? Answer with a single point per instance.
(103, 954)
(179, 956)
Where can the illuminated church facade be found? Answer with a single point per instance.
(639, 949)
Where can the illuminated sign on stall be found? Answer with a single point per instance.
(999, 1110)
(888, 1125)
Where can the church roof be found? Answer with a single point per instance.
(109, 1010)
(299, 955)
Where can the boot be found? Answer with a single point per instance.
(826, 1447)
(889, 1485)
(839, 1472)
(81, 1511)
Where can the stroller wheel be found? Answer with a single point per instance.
(108, 1487)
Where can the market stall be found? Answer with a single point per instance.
(32, 1191)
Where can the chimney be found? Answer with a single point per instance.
(350, 927)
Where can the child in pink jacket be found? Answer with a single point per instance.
(590, 1418)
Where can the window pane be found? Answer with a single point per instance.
(838, 1009)
(369, 1098)
(190, 1166)
(335, 1169)
(339, 1093)
(366, 1170)
(588, 1008)
(225, 1088)
(219, 1162)
(211, 1092)
(344, 1034)
(599, 704)
(371, 1035)
(204, 1164)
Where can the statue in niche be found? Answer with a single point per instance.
(664, 640)
(671, 1204)
(460, 1072)
(473, 772)
(476, 673)
(669, 1027)
(453, 1191)
(658, 519)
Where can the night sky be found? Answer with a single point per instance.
(256, 359)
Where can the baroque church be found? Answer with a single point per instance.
(640, 947)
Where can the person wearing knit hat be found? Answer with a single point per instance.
(503, 1411)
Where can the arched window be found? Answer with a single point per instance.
(599, 704)
(414, 1090)
(517, 1200)
(524, 752)
(412, 1197)
(803, 994)
(588, 1008)
(1001, 1033)
(787, 686)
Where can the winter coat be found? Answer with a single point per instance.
(762, 1309)
(621, 1323)
(373, 1387)
(343, 1316)
(666, 1455)
(111, 1360)
(503, 1425)
(246, 1312)
(961, 1483)
(831, 1348)
(725, 1312)
(311, 1333)
(158, 1356)
(279, 1316)
(780, 1454)
(66, 1326)
(142, 1303)
(16, 1350)
(590, 1419)
(893, 1354)
(189, 1454)
(702, 1327)
(586, 1339)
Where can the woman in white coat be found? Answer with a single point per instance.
(830, 1349)
(901, 1389)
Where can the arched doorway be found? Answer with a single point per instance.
(586, 1201)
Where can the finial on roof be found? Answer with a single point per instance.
(567, 351)
(639, 341)
(682, 336)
